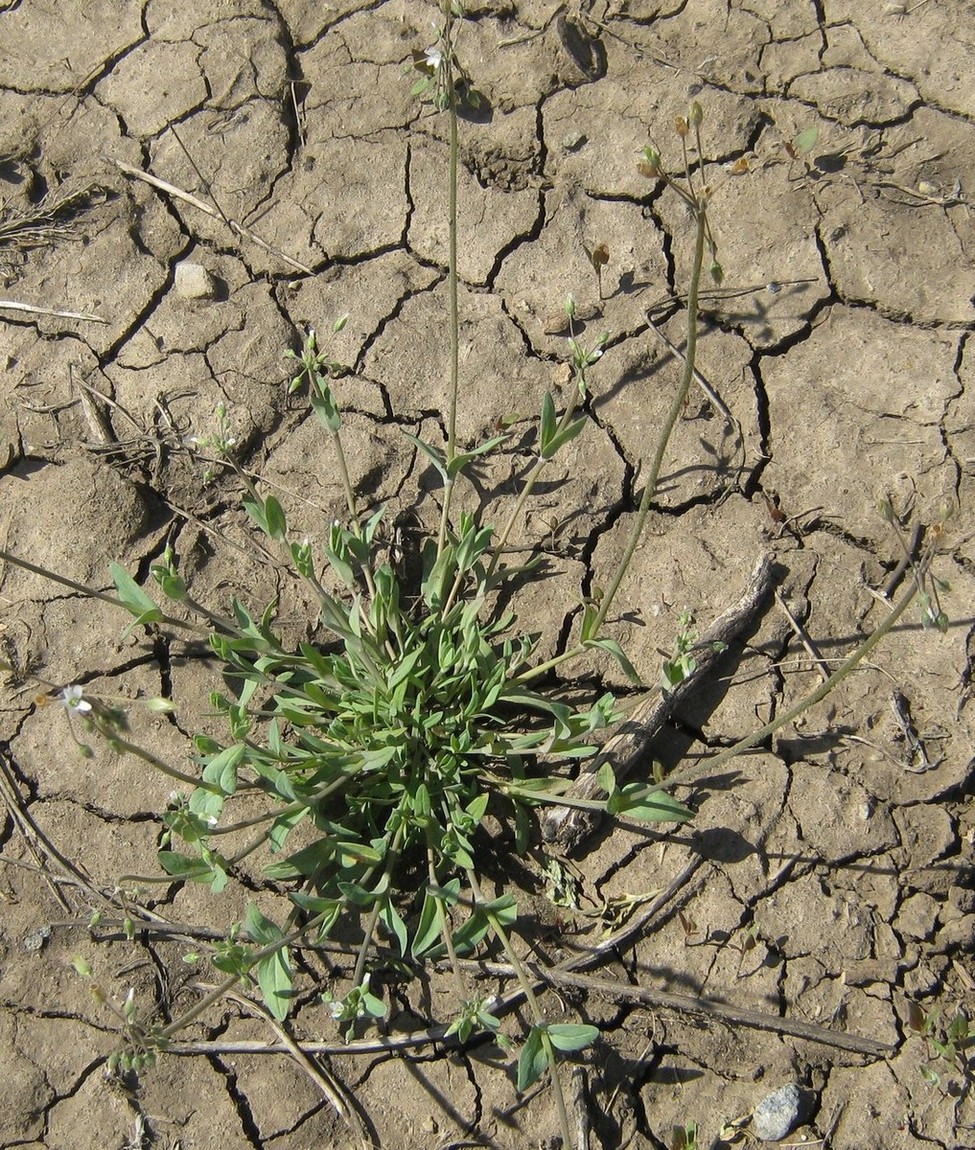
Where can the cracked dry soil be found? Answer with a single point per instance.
(828, 879)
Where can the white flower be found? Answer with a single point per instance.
(72, 699)
(433, 59)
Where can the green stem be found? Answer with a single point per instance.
(810, 700)
(532, 479)
(452, 304)
(120, 744)
(700, 214)
(91, 593)
(445, 934)
(392, 857)
(526, 983)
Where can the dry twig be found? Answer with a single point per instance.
(213, 213)
(565, 827)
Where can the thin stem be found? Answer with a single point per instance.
(392, 858)
(119, 744)
(91, 593)
(527, 985)
(453, 324)
(533, 477)
(445, 934)
(814, 697)
(663, 439)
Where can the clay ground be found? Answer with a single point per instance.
(828, 878)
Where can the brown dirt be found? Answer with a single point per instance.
(850, 871)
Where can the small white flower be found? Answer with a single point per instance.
(73, 700)
(433, 59)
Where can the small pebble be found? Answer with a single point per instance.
(777, 1114)
(35, 940)
(573, 140)
(193, 281)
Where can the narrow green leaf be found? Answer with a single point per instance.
(134, 599)
(648, 804)
(570, 1036)
(277, 526)
(612, 647)
(532, 1061)
(566, 435)
(546, 430)
(275, 980)
(428, 928)
(393, 922)
(434, 454)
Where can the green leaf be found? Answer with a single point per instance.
(428, 928)
(806, 140)
(221, 772)
(533, 1060)
(648, 804)
(323, 404)
(470, 933)
(930, 1076)
(134, 599)
(393, 922)
(434, 454)
(606, 777)
(275, 980)
(302, 863)
(612, 647)
(260, 928)
(566, 435)
(277, 526)
(546, 430)
(570, 1036)
(184, 867)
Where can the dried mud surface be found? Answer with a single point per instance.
(829, 880)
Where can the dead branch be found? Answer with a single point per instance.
(565, 827)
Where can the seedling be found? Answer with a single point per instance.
(949, 1045)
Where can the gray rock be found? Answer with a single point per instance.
(193, 281)
(777, 1114)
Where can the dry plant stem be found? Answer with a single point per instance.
(238, 229)
(706, 387)
(28, 828)
(579, 1110)
(673, 415)
(564, 826)
(708, 766)
(687, 1004)
(330, 1089)
(811, 649)
(12, 305)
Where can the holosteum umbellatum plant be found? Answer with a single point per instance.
(407, 722)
